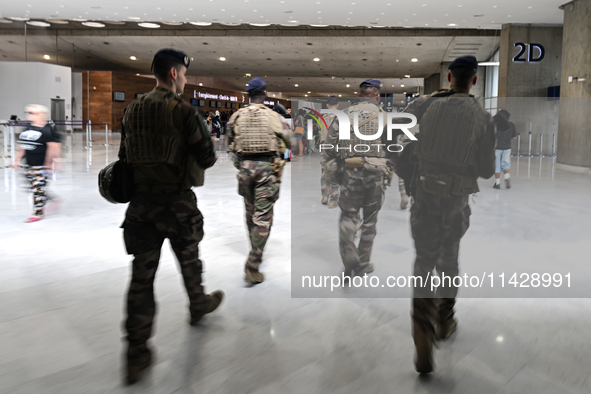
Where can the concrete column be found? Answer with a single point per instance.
(524, 82)
(574, 137)
(432, 83)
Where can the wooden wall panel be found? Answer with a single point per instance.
(101, 94)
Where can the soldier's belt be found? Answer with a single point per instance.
(266, 158)
(354, 162)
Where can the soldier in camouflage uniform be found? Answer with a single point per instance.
(330, 191)
(257, 137)
(362, 188)
(455, 146)
(168, 146)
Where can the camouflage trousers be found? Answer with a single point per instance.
(259, 187)
(38, 178)
(360, 189)
(329, 190)
(437, 224)
(150, 218)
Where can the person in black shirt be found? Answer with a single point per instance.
(40, 145)
(505, 133)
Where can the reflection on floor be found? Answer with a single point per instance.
(62, 282)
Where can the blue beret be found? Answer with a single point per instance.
(371, 82)
(174, 55)
(464, 62)
(256, 84)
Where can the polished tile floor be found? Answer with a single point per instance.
(62, 282)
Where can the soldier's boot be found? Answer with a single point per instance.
(403, 201)
(446, 323)
(254, 277)
(423, 333)
(138, 359)
(324, 200)
(213, 302)
(367, 269)
(333, 204)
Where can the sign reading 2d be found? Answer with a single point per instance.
(530, 53)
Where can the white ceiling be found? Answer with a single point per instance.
(422, 13)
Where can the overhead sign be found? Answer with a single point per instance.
(530, 53)
(197, 94)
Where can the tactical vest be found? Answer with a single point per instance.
(450, 129)
(368, 124)
(254, 129)
(151, 136)
(329, 118)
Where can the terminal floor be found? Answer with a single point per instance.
(63, 280)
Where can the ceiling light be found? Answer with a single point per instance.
(489, 63)
(57, 21)
(133, 58)
(39, 24)
(201, 23)
(293, 21)
(452, 24)
(414, 60)
(401, 86)
(306, 95)
(135, 18)
(223, 59)
(46, 57)
(259, 24)
(149, 25)
(231, 24)
(340, 95)
(348, 85)
(5, 21)
(355, 92)
(296, 85)
(16, 18)
(273, 94)
(309, 92)
(93, 24)
(316, 59)
(79, 20)
(407, 76)
(319, 25)
(200, 84)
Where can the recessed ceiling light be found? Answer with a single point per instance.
(137, 74)
(401, 86)
(17, 18)
(316, 59)
(148, 25)
(414, 60)
(259, 24)
(340, 95)
(39, 24)
(407, 76)
(231, 24)
(5, 21)
(452, 24)
(135, 18)
(273, 94)
(293, 21)
(46, 57)
(309, 92)
(319, 25)
(201, 23)
(246, 84)
(79, 20)
(223, 59)
(200, 84)
(296, 85)
(348, 85)
(133, 58)
(93, 24)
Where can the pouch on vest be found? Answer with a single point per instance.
(376, 164)
(439, 185)
(464, 184)
(354, 162)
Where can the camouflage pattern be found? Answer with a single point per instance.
(150, 218)
(38, 178)
(361, 189)
(258, 185)
(437, 224)
(329, 190)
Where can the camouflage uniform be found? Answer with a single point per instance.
(360, 189)
(259, 187)
(440, 218)
(258, 178)
(163, 206)
(329, 190)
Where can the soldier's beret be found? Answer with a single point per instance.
(371, 82)
(172, 54)
(465, 63)
(256, 84)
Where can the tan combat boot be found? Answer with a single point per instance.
(424, 350)
(324, 200)
(214, 300)
(254, 277)
(135, 366)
